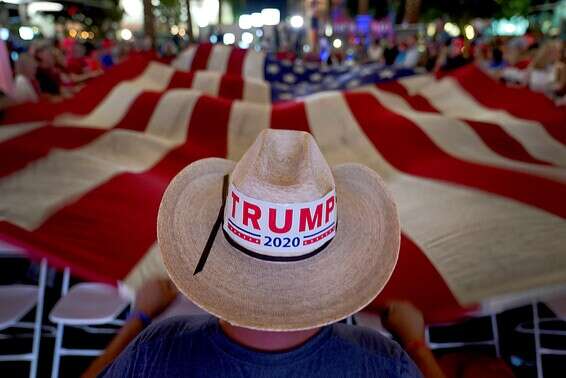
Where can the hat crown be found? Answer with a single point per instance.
(283, 166)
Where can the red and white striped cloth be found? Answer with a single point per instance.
(223, 59)
(478, 171)
(142, 75)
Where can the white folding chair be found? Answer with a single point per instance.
(493, 341)
(543, 326)
(372, 320)
(84, 305)
(15, 302)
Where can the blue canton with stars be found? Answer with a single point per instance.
(290, 80)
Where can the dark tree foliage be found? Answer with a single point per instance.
(462, 10)
(98, 13)
(458, 10)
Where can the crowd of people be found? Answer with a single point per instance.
(56, 69)
(531, 60)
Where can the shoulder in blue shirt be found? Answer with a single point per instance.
(195, 346)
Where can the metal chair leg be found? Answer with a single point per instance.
(536, 329)
(59, 333)
(495, 333)
(38, 319)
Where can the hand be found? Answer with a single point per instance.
(154, 296)
(405, 321)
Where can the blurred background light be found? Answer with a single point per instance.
(270, 16)
(229, 39)
(126, 34)
(328, 30)
(26, 33)
(133, 14)
(256, 20)
(247, 37)
(44, 6)
(431, 30)
(469, 32)
(452, 29)
(512, 26)
(245, 21)
(206, 13)
(296, 21)
(4, 34)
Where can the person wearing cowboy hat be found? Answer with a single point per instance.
(278, 247)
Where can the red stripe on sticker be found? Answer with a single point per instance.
(319, 237)
(241, 235)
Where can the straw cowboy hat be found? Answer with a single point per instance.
(279, 240)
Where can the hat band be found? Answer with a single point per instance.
(279, 231)
(274, 258)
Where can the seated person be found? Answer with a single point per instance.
(559, 86)
(276, 297)
(26, 85)
(542, 69)
(53, 75)
(375, 52)
(48, 74)
(159, 300)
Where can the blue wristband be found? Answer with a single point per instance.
(142, 316)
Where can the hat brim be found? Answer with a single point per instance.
(279, 296)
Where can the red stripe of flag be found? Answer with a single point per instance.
(181, 79)
(410, 150)
(417, 102)
(494, 136)
(290, 116)
(200, 60)
(102, 235)
(236, 62)
(17, 152)
(521, 102)
(231, 87)
(502, 143)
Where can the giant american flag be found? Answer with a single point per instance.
(477, 169)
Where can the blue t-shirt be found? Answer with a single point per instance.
(195, 346)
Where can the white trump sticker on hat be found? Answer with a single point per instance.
(279, 230)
